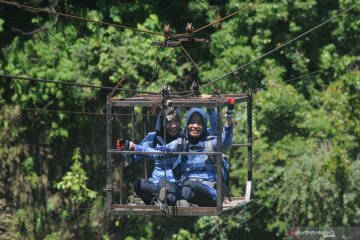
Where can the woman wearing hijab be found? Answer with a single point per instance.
(198, 172)
(156, 141)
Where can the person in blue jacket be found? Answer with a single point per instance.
(197, 184)
(158, 141)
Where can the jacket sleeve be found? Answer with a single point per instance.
(158, 151)
(147, 141)
(226, 138)
(213, 121)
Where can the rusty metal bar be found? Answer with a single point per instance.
(122, 158)
(143, 160)
(121, 176)
(108, 187)
(240, 145)
(219, 160)
(186, 102)
(113, 151)
(120, 209)
(249, 133)
(234, 209)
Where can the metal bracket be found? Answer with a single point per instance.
(196, 88)
(108, 188)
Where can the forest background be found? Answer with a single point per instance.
(305, 120)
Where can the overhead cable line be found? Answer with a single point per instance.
(242, 84)
(72, 112)
(77, 18)
(140, 114)
(228, 16)
(192, 61)
(283, 45)
(70, 210)
(289, 80)
(53, 110)
(190, 58)
(304, 75)
(119, 83)
(157, 69)
(73, 84)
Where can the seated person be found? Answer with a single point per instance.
(147, 189)
(198, 172)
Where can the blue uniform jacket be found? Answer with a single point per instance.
(165, 161)
(200, 167)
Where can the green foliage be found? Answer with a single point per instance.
(351, 197)
(212, 228)
(183, 234)
(308, 188)
(306, 130)
(280, 110)
(1, 25)
(74, 182)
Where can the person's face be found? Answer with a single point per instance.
(173, 126)
(195, 125)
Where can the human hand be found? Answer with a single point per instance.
(230, 107)
(125, 145)
(205, 96)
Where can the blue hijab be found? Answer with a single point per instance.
(159, 129)
(196, 144)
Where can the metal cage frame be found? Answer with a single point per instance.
(228, 206)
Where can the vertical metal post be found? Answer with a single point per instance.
(121, 161)
(143, 159)
(163, 112)
(249, 125)
(249, 148)
(219, 159)
(108, 157)
(132, 156)
(132, 124)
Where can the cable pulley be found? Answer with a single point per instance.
(175, 40)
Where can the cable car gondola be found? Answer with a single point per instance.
(230, 205)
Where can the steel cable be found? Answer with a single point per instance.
(77, 18)
(283, 45)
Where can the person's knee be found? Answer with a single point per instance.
(187, 192)
(137, 186)
(170, 191)
(161, 183)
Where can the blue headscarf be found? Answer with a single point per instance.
(196, 144)
(159, 128)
